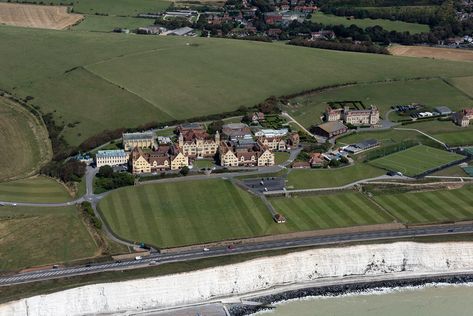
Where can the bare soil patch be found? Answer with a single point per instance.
(37, 16)
(432, 52)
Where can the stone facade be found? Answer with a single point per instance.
(197, 143)
(273, 143)
(354, 117)
(141, 140)
(111, 158)
(142, 162)
(463, 117)
(234, 155)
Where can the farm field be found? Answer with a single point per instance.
(95, 79)
(457, 138)
(39, 236)
(24, 142)
(35, 190)
(45, 17)
(99, 23)
(183, 213)
(432, 52)
(465, 84)
(399, 26)
(430, 207)
(415, 160)
(309, 212)
(308, 109)
(319, 178)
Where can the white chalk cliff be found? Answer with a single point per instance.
(249, 276)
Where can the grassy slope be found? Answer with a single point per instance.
(329, 211)
(183, 213)
(24, 142)
(36, 190)
(388, 25)
(319, 178)
(308, 109)
(38, 236)
(435, 206)
(416, 160)
(464, 83)
(173, 77)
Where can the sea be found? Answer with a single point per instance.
(427, 300)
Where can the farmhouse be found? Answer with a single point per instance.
(142, 140)
(354, 117)
(234, 154)
(331, 129)
(197, 143)
(463, 117)
(111, 157)
(236, 131)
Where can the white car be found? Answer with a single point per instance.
(206, 249)
(138, 257)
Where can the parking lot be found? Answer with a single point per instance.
(265, 184)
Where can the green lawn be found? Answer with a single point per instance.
(329, 211)
(320, 178)
(415, 160)
(99, 23)
(182, 213)
(388, 25)
(99, 79)
(35, 190)
(281, 157)
(434, 92)
(203, 163)
(430, 207)
(38, 236)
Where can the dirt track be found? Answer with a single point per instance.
(432, 52)
(37, 16)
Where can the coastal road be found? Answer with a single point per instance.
(156, 259)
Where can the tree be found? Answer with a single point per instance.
(184, 171)
(105, 171)
(215, 126)
(344, 160)
(334, 163)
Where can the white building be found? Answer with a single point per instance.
(111, 157)
(271, 133)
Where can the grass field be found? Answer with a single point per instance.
(280, 157)
(434, 92)
(415, 160)
(203, 163)
(99, 23)
(465, 84)
(35, 190)
(39, 236)
(429, 207)
(319, 178)
(388, 25)
(177, 214)
(97, 79)
(329, 211)
(24, 142)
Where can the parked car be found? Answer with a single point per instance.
(138, 257)
(206, 249)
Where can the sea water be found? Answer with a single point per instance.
(428, 300)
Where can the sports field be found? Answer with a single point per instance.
(320, 178)
(182, 213)
(45, 17)
(98, 79)
(399, 26)
(415, 160)
(329, 211)
(24, 142)
(40, 236)
(433, 92)
(35, 190)
(430, 207)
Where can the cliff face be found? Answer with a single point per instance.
(250, 276)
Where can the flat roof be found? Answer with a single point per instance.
(143, 135)
(110, 153)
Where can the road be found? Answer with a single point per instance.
(156, 259)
